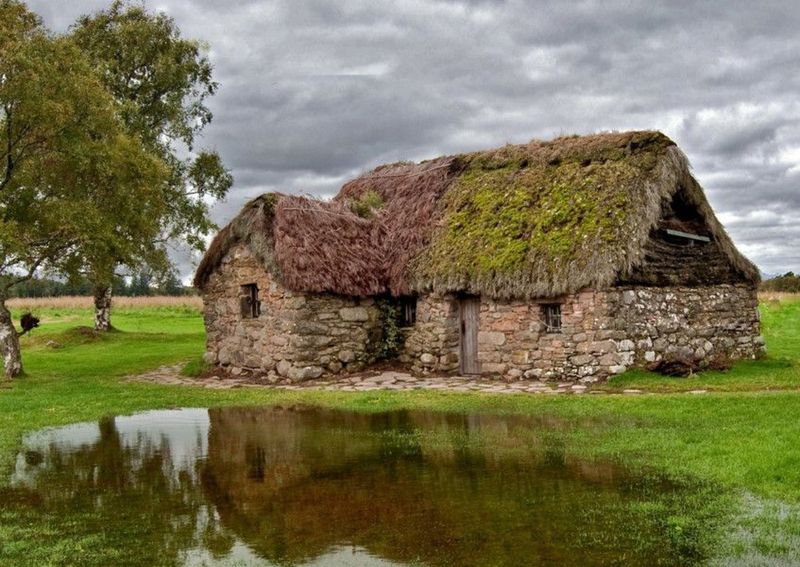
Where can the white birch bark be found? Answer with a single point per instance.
(9, 343)
(102, 308)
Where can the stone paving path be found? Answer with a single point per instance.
(385, 380)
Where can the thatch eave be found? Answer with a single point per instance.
(251, 227)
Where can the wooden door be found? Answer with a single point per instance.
(469, 311)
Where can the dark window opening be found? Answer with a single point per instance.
(408, 311)
(551, 313)
(251, 306)
(682, 209)
(682, 224)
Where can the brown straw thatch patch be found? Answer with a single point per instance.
(532, 220)
(411, 194)
(253, 226)
(323, 247)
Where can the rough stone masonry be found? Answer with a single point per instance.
(297, 336)
(604, 332)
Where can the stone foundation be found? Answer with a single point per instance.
(603, 332)
(699, 322)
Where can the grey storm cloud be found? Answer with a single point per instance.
(314, 92)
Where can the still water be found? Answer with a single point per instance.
(309, 486)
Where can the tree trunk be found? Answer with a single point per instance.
(102, 308)
(9, 343)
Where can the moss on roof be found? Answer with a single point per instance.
(544, 204)
(533, 220)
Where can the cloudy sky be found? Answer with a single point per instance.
(315, 91)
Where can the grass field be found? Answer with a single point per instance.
(741, 439)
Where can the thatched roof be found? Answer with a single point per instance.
(534, 220)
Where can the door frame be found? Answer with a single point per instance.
(469, 309)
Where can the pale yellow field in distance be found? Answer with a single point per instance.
(194, 301)
(121, 302)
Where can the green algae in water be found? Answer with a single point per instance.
(308, 486)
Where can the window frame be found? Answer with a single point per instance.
(552, 318)
(250, 306)
(408, 312)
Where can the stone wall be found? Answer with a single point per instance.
(432, 344)
(512, 339)
(297, 336)
(603, 332)
(700, 322)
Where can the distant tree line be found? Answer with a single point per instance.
(788, 282)
(142, 283)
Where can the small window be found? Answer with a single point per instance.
(552, 317)
(408, 311)
(250, 305)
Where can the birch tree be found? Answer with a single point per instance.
(160, 81)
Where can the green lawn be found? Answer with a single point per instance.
(740, 439)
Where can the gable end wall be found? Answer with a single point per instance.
(298, 336)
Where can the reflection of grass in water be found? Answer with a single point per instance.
(686, 515)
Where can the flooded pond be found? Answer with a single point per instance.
(309, 486)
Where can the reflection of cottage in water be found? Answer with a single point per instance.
(577, 258)
(293, 485)
(174, 439)
(124, 487)
(470, 490)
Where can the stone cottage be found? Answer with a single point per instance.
(573, 259)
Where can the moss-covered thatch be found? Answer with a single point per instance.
(533, 220)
